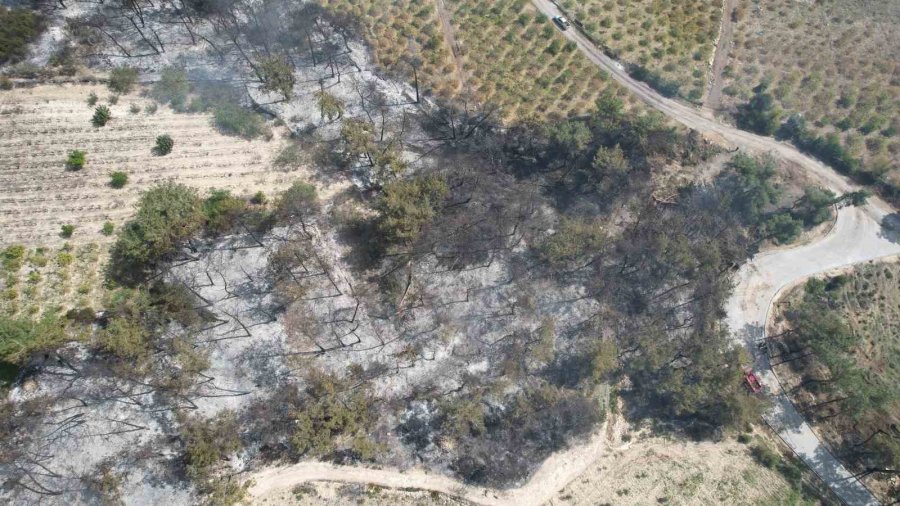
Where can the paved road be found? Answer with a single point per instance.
(858, 236)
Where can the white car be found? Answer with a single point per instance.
(562, 22)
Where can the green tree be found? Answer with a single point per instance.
(118, 179)
(575, 242)
(172, 87)
(782, 228)
(760, 115)
(21, 338)
(330, 106)
(18, 27)
(750, 181)
(166, 215)
(277, 76)
(815, 205)
(298, 201)
(122, 79)
(101, 116)
(164, 145)
(76, 160)
(407, 206)
(222, 210)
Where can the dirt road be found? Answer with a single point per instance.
(553, 475)
(720, 59)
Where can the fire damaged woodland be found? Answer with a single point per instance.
(439, 289)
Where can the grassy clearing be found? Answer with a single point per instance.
(834, 62)
(674, 39)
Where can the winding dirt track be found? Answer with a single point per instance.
(857, 236)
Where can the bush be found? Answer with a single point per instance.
(18, 27)
(231, 119)
(101, 116)
(118, 179)
(765, 456)
(222, 210)
(297, 201)
(172, 88)
(166, 215)
(66, 231)
(76, 160)
(150, 108)
(108, 229)
(164, 145)
(134, 109)
(92, 99)
(5, 83)
(122, 79)
(259, 198)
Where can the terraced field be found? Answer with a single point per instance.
(39, 127)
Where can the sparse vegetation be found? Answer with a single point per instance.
(849, 323)
(67, 231)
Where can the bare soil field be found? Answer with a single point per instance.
(39, 126)
(834, 62)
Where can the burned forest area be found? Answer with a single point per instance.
(435, 287)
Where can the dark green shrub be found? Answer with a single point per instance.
(76, 160)
(164, 145)
(18, 27)
(66, 231)
(108, 229)
(122, 79)
(92, 99)
(118, 179)
(101, 116)
(259, 198)
(765, 456)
